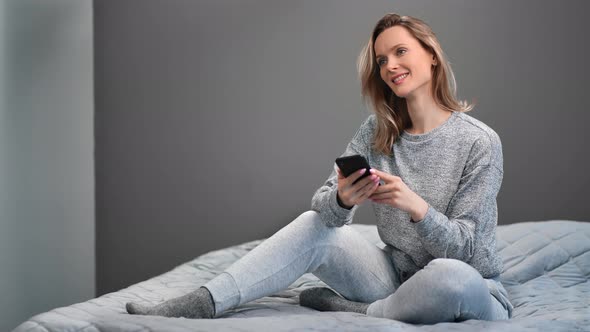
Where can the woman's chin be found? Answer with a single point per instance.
(399, 94)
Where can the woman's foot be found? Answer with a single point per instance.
(325, 299)
(197, 304)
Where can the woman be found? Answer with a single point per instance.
(436, 210)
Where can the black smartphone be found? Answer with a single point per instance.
(351, 164)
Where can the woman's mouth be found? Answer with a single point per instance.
(400, 79)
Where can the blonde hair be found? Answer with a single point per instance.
(391, 111)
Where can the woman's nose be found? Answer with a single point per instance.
(391, 65)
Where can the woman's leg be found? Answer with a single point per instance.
(339, 256)
(446, 290)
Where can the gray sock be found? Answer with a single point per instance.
(325, 299)
(197, 304)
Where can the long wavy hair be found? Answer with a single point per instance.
(391, 111)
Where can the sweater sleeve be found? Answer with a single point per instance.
(471, 217)
(324, 199)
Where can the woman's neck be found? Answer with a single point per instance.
(426, 115)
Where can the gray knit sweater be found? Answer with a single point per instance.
(457, 168)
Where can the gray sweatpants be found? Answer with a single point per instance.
(444, 290)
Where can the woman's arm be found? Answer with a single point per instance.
(472, 214)
(324, 200)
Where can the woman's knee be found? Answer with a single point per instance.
(446, 265)
(455, 277)
(310, 215)
(450, 266)
(306, 224)
(309, 219)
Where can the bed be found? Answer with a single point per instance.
(546, 273)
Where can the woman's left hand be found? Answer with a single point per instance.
(397, 194)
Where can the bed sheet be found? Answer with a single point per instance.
(546, 274)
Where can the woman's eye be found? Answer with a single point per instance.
(381, 62)
(399, 51)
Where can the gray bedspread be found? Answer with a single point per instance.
(546, 273)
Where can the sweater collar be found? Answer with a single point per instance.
(426, 136)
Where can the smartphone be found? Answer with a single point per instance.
(351, 164)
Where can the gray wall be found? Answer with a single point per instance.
(46, 157)
(217, 120)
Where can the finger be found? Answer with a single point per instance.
(379, 196)
(359, 189)
(366, 184)
(375, 196)
(363, 182)
(340, 176)
(353, 189)
(384, 188)
(379, 190)
(354, 176)
(378, 172)
(384, 175)
(379, 201)
(370, 188)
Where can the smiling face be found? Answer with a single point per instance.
(404, 65)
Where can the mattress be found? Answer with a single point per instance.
(546, 274)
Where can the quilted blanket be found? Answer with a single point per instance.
(546, 273)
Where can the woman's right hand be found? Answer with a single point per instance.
(351, 195)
